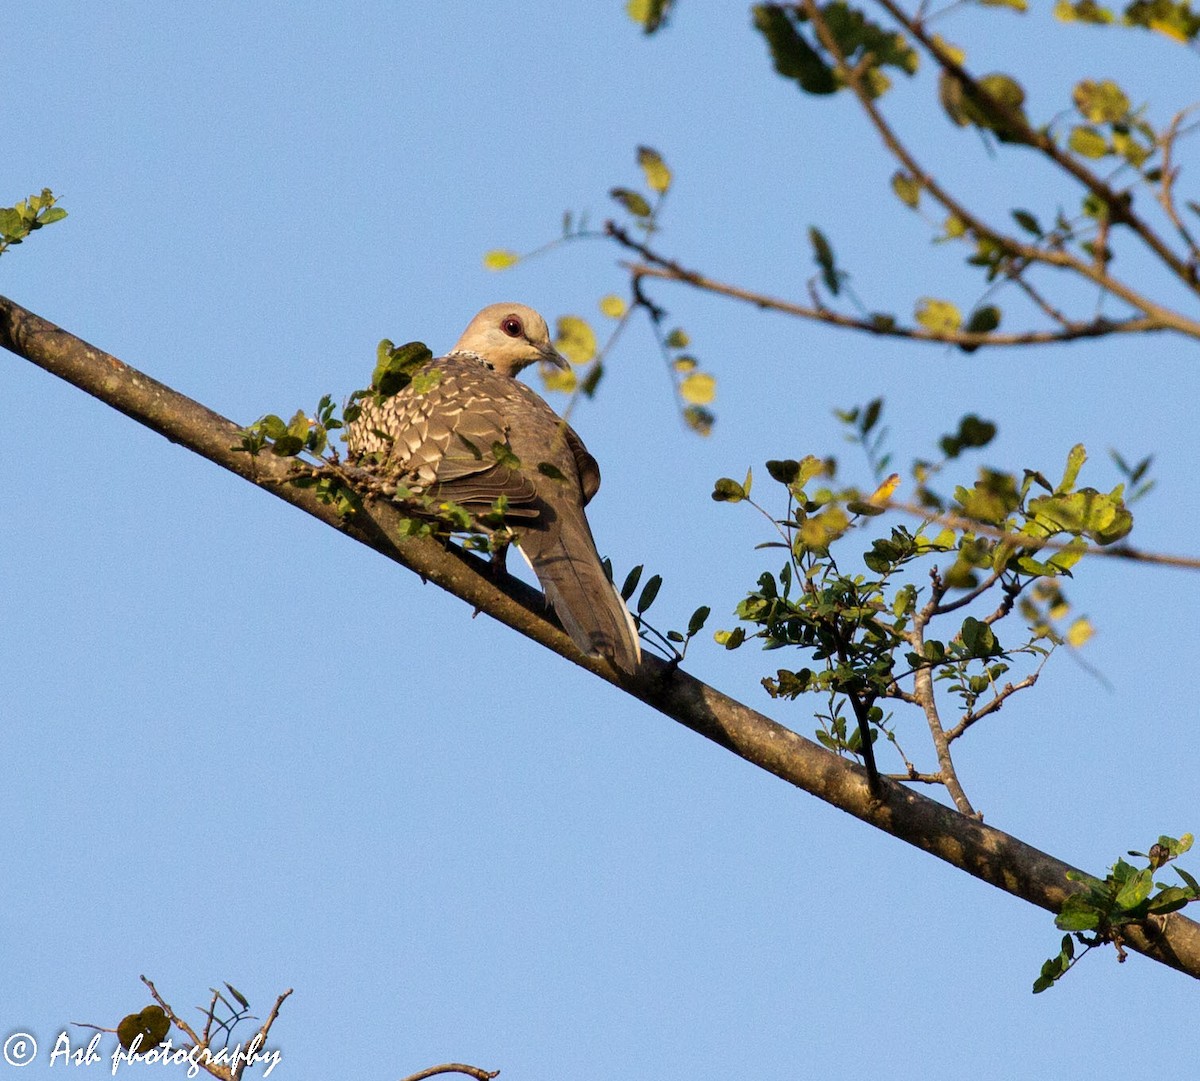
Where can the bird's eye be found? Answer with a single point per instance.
(511, 326)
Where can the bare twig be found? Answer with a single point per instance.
(174, 1018)
(992, 705)
(454, 1067)
(923, 692)
(1021, 540)
(1166, 191)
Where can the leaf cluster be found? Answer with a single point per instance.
(1100, 912)
(674, 643)
(868, 635)
(29, 215)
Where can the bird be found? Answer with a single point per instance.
(472, 433)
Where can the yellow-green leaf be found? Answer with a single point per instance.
(885, 491)
(556, 379)
(699, 388)
(955, 227)
(500, 259)
(938, 316)
(1084, 11)
(1101, 102)
(1087, 142)
(575, 339)
(1080, 631)
(612, 306)
(907, 189)
(658, 176)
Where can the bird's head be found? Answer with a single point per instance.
(509, 337)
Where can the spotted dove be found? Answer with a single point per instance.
(477, 434)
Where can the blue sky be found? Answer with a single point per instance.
(239, 747)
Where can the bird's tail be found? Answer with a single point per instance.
(591, 610)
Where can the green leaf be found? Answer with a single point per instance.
(870, 416)
(978, 638)
(783, 471)
(396, 365)
(1075, 459)
(1084, 11)
(1175, 20)
(631, 581)
(973, 432)
(907, 189)
(699, 419)
(983, 321)
(1101, 102)
(1136, 889)
(649, 592)
(699, 618)
(823, 254)
(991, 499)
(1087, 142)
(635, 203)
(791, 54)
(995, 103)
(730, 639)
(152, 1025)
(424, 381)
(1028, 222)
(728, 491)
(1078, 913)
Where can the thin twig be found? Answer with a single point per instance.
(177, 1021)
(454, 1067)
(1021, 540)
(992, 705)
(668, 270)
(923, 692)
(1166, 191)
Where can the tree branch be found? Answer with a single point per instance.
(988, 854)
(1161, 317)
(1119, 208)
(659, 266)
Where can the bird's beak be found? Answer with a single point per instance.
(552, 356)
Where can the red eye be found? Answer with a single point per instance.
(511, 326)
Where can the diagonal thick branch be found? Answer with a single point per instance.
(987, 853)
